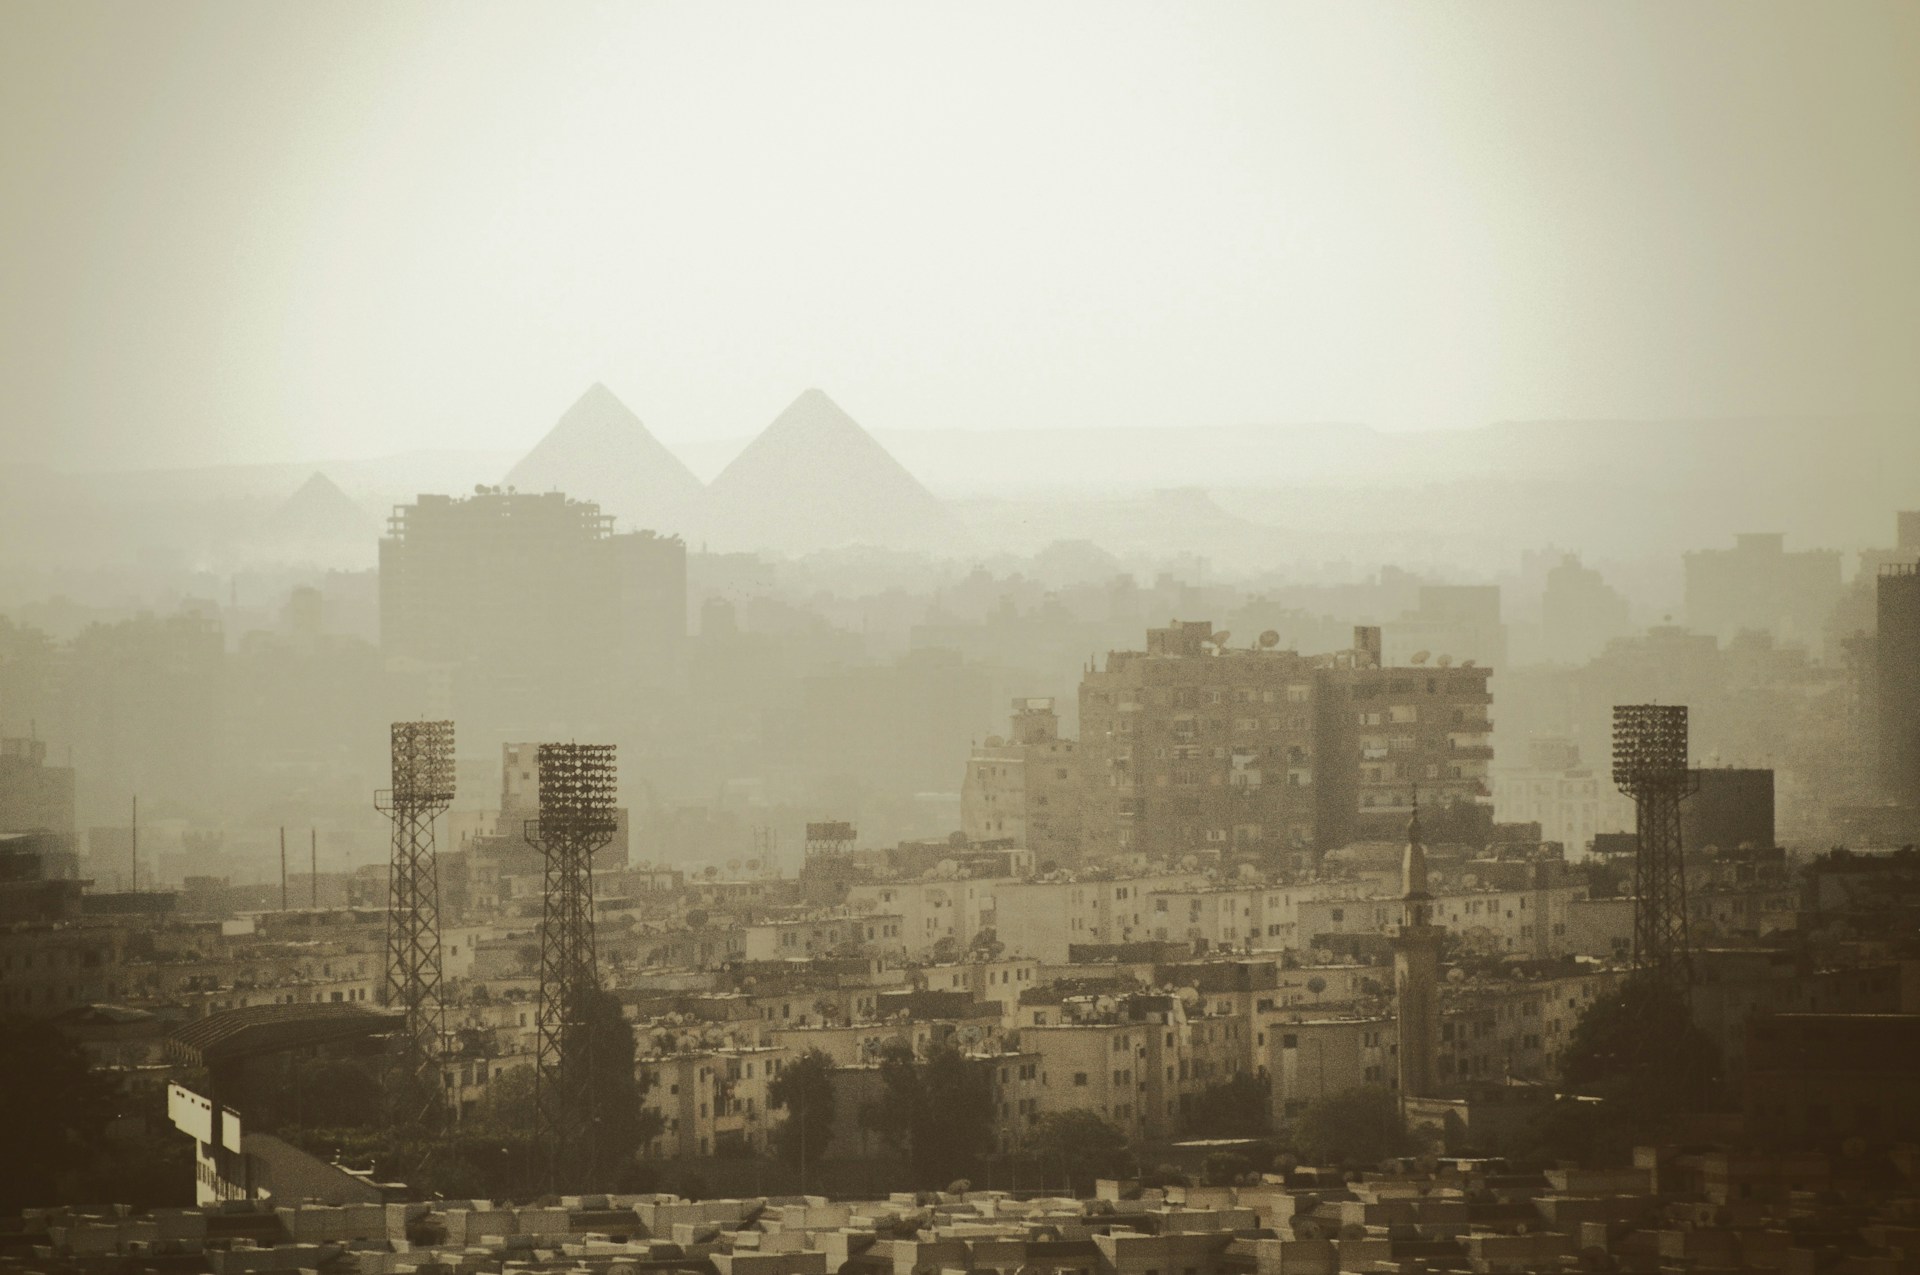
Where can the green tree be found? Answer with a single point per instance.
(1638, 1051)
(620, 1123)
(1239, 1107)
(805, 1088)
(1360, 1126)
(1083, 1144)
(57, 1112)
(508, 1105)
(938, 1112)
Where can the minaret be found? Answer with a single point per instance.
(1416, 970)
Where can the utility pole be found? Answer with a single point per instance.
(313, 866)
(133, 865)
(283, 867)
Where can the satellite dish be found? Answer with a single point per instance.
(753, 865)
(1469, 880)
(1270, 639)
(1456, 975)
(1445, 661)
(1323, 956)
(1188, 995)
(1220, 638)
(1418, 657)
(1467, 664)
(733, 865)
(1104, 1004)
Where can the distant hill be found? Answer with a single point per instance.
(600, 451)
(814, 479)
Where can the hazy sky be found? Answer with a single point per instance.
(246, 232)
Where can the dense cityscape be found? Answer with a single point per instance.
(1229, 952)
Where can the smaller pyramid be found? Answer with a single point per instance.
(318, 513)
(600, 451)
(814, 479)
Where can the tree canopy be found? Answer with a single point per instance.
(1639, 1053)
(57, 1112)
(1239, 1107)
(1360, 1126)
(938, 1112)
(1638, 1048)
(1081, 1144)
(621, 1123)
(805, 1088)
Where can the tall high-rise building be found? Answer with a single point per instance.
(1193, 744)
(1757, 584)
(536, 614)
(1461, 621)
(1897, 682)
(1579, 613)
(1196, 743)
(1393, 736)
(34, 796)
(1025, 788)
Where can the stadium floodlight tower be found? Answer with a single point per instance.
(577, 787)
(1650, 766)
(422, 790)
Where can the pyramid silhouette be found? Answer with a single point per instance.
(318, 513)
(814, 479)
(600, 451)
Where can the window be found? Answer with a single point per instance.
(1079, 1078)
(1289, 1041)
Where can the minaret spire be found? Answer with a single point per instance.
(1413, 868)
(1416, 960)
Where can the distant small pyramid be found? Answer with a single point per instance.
(319, 513)
(600, 451)
(814, 479)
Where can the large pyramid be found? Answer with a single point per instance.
(600, 451)
(318, 513)
(814, 479)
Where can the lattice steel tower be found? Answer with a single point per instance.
(422, 790)
(1650, 765)
(577, 786)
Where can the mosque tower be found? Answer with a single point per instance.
(1416, 971)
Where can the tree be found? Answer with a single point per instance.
(805, 1088)
(939, 1112)
(1239, 1107)
(57, 1112)
(508, 1105)
(1638, 1051)
(603, 1039)
(1360, 1126)
(1083, 1144)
